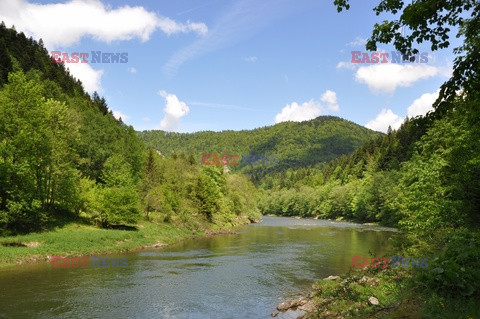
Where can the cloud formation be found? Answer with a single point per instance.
(91, 78)
(384, 119)
(359, 41)
(64, 24)
(423, 104)
(386, 78)
(118, 115)
(330, 98)
(346, 65)
(308, 110)
(174, 111)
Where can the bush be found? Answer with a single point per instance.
(456, 271)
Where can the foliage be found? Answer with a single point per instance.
(455, 270)
(37, 142)
(176, 187)
(296, 144)
(62, 153)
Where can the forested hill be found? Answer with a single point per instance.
(56, 141)
(64, 157)
(297, 144)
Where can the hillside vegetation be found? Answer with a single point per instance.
(296, 144)
(64, 157)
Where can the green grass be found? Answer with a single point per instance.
(400, 296)
(347, 297)
(75, 238)
(79, 239)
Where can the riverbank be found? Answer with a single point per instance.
(445, 287)
(77, 239)
(388, 293)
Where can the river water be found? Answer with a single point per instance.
(242, 275)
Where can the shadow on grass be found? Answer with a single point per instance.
(14, 244)
(34, 224)
(122, 227)
(56, 220)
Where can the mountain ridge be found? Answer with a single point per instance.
(297, 144)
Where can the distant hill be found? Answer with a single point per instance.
(297, 144)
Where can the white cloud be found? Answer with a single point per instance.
(423, 104)
(132, 70)
(384, 119)
(250, 59)
(386, 78)
(307, 110)
(170, 26)
(330, 98)
(358, 41)
(91, 78)
(346, 65)
(174, 111)
(296, 112)
(64, 24)
(146, 119)
(118, 115)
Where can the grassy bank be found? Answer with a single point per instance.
(77, 238)
(447, 287)
(397, 296)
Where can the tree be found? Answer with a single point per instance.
(37, 153)
(5, 62)
(431, 21)
(149, 180)
(118, 197)
(208, 190)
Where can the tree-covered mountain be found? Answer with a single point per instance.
(63, 155)
(296, 144)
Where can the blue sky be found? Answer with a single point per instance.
(232, 65)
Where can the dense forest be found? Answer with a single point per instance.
(296, 144)
(64, 155)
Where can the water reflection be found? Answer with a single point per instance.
(244, 275)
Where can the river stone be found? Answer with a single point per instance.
(369, 280)
(308, 307)
(373, 301)
(331, 278)
(300, 302)
(275, 313)
(289, 304)
(284, 306)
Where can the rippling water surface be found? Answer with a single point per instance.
(244, 275)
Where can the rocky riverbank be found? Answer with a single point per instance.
(346, 296)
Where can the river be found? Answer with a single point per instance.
(242, 275)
